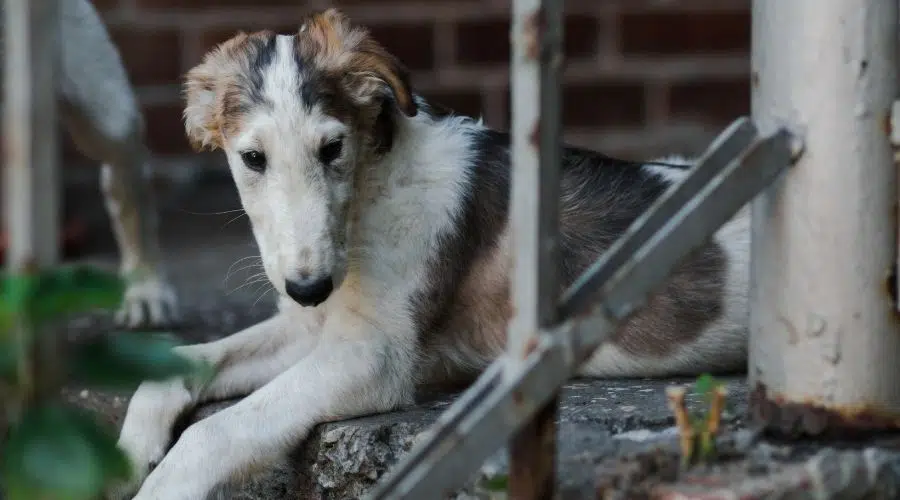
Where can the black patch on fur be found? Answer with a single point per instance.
(262, 59)
(601, 198)
(311, 90)
(482, 218)
(385, 128)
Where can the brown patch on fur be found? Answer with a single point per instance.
(345, 72)
(682, 309)
(348, 54)
(218, 90)
(477, 319)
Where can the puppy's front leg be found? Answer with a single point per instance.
(242, 362)
(343, 377)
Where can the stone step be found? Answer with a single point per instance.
(598, 420)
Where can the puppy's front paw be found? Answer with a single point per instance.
(144, 453)
(147, 431)
(148, 302)
(190, 470)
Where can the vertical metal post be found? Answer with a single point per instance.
(825, 341)
(30, 171)
(536, 36)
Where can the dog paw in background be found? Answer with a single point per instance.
(149, 301)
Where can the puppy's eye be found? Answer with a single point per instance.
(254, 160)
(331, 151)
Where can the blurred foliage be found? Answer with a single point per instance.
(51, 450)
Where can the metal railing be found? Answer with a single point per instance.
(514, 401)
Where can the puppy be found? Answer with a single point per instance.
(383, 224)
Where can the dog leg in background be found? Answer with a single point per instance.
(355, 369)
(101, 112)
(243, 362)
(149, 299)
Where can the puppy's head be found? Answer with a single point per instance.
(298, 116)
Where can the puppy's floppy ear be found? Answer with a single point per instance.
(202, 93)
(199, 111)
(372, 61)
(366, 68)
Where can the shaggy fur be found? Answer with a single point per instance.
(99, 110)
(383, 223)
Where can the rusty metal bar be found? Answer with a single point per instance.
(30, 174)
(536, 36)
(512, 391)
(30, 133)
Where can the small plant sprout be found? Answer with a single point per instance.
(698, 432)
(48, 449)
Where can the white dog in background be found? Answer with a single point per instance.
(100, 111)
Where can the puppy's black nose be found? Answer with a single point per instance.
(310, 292)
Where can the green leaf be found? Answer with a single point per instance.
(51, 293)
(124, 360)
(705, 386)
(7, 317)
(17, 290)
(74, 289)
(46, 455)
(7, 358)
(113, 460)
(498, 483)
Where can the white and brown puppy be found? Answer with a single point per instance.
(99, 109)
(384, 226)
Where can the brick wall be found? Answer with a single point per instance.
(643, 77)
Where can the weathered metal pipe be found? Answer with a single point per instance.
(825, 336)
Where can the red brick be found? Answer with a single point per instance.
(412, 43)
(212, 37)
(104, 5)
(604, 105)
(487, 42)
(715, 102)
(422, 3)
(672, 33)
(165, 130)
(463, 103)
(599, 105)
(150, 57)
(213, 4)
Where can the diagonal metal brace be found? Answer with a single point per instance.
(730, 143)
(738, 165)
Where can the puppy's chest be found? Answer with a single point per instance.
(402, 223)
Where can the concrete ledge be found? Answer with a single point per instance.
(598, 420)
